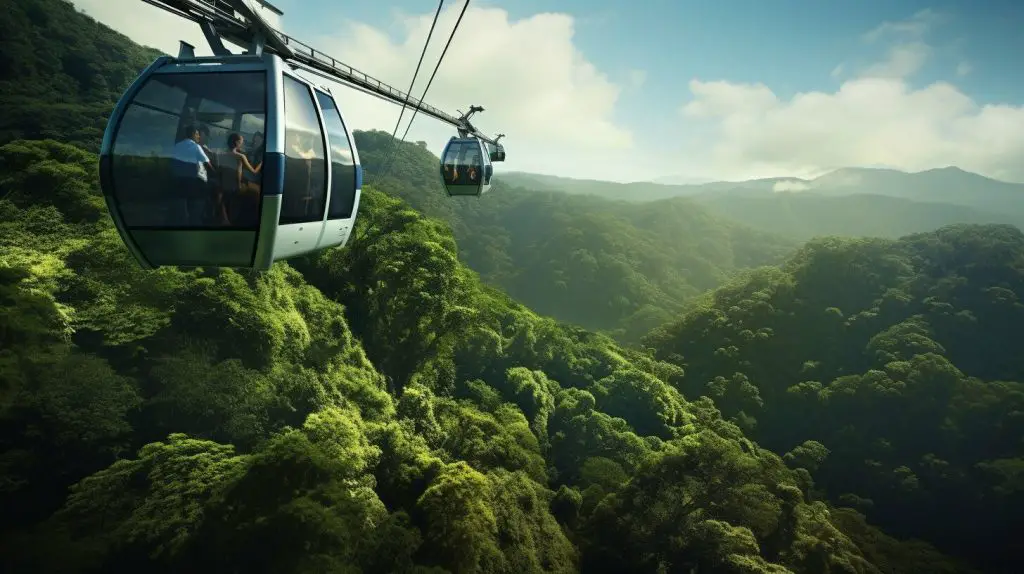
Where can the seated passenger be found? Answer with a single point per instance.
(191, 166)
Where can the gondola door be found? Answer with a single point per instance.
(306, 176)
(346, 175)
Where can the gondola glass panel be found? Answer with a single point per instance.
(168, 154)
(343, 166)
(343, 204)
(305, 172)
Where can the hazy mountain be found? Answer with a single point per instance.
(637, 191)
(806, 215)
(680, 180)
(849, 201)
(948, 184)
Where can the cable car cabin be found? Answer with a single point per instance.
(497, 152)
(465, 168)
(228, 162)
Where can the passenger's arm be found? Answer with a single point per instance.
(245, 162)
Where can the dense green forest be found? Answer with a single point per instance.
(890, 369)
(381, 408)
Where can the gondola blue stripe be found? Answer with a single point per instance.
(273, 174)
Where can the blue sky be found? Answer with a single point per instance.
(902, 118)
(790, 46)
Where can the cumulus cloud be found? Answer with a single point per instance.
(535, 85)
(868, 121)
(555, 106)
(876, 117)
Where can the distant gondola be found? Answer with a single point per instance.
(466, 167)
(189, 182)
(497, 152)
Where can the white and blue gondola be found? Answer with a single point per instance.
(228, 161)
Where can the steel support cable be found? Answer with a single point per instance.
(423, 53)
(387, 167)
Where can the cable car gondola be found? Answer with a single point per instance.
(466, 167)
(497, 152)
(189, 182)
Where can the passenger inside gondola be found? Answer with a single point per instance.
(204, 132)
(467, 166)
(450, 167)
(255, 154)
(240, 184)
(191, 167)
(474, 166)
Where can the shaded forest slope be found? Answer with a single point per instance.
(892, 370)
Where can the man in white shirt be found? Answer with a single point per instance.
(192, 167)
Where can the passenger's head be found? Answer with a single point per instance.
(257, 138)
(192, 133)
(235, 141)
(204, 132)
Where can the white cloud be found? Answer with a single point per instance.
(903, 61)
(874, 118)
(555, 106)
(907, 51)
(963, 68)
(536, 86)
(914, 27)
(868, 121)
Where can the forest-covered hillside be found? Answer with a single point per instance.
(59, 71)
(614, 266)
(379, 408)
(328, 416)
(891, 370)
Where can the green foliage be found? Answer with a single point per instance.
(268, 439)
(886, 369)
(61, 72)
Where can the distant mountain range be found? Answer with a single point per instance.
(848, 201)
